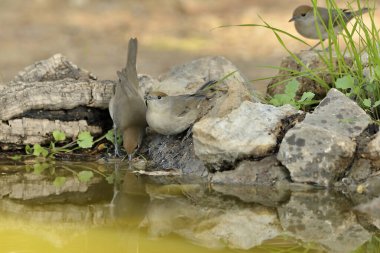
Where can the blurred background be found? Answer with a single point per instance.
(94, 33)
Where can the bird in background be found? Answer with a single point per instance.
(170, 115)
(304, 21)
(127, 106)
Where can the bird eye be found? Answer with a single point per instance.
(303, 14)
(159, 97)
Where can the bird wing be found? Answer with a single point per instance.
(128, 75)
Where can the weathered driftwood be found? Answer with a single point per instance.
(49, 95)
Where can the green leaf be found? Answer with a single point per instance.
(16, 157)
(281, 99)
(59, 181)
(307, 96)
(110, 179)
(85, 140)
(59, 135)
(346, 82)
(377, 72)
(367, 102)
(28, 150)
(376, 104)
(292, 87)
(109, 136)
(38, 150)
(85, 176)
(40, 167)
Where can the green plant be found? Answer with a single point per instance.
(84, 141)
(289, 97)
(359, 80)
(44, 156)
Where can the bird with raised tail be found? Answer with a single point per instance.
(170, 115)
(305, 21)
(127, 106)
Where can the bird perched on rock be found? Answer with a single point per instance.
(170, 115)
(304, 21)
(127, 106)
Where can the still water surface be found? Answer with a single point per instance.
(185, 217)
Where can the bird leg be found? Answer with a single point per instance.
(117, 153)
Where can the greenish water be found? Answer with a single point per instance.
(178, 215)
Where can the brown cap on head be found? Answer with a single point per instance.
(300, 11)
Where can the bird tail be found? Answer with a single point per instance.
(128, 75)
(360, 12)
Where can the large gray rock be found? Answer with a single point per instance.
(339, 114)
(186, 78)
(321, 148)
(324, 218)
(249, 131)
(313, 154)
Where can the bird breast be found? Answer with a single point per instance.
(306, 27)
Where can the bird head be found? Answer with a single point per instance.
(301, 12)
(132, 137)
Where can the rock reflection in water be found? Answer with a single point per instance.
(217, 217)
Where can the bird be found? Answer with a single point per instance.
(170, 115)
(304, 21)
(127, 106)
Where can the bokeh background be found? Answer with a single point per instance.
(94, 33)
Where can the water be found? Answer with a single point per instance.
(170, 214)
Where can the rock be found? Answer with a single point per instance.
(339, 114)
(325, 218)
(188, 77)
(266, 172)
(55, 68)
(320, 149)
(249, 131)
(172, 152)
(313, 154)
(372, 151)
(30, 131)
(311, 61)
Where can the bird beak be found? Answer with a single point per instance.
(292, 19)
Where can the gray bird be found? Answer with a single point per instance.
(304, 21)
(127, 106)
(170, 115)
